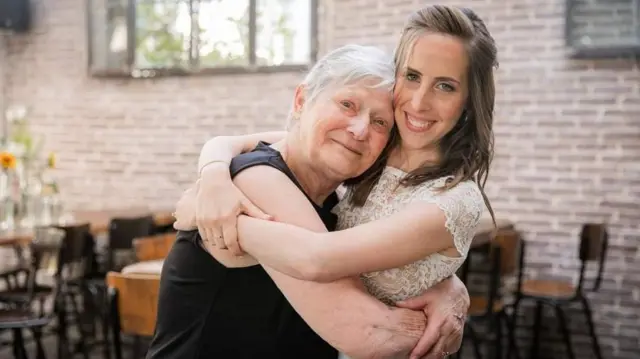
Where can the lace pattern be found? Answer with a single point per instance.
(462, 206)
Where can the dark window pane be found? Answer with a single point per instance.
(283, 32)
(108, 32)
(223, 33)
(596, 23)
(163, 31)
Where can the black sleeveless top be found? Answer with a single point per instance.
(208, 311)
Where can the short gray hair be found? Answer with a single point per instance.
(345, 66)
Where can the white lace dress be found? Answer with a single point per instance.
(462, 206)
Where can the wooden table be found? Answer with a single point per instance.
(98, 220)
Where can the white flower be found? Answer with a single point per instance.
(18, 149)
(16, 113)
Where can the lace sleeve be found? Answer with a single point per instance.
(462, 206)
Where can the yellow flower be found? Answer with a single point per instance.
(7, 160)
(51, 160)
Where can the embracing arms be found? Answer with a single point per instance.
(341, 312)
(219, 202)
(420, 229)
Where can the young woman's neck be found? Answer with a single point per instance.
(408, 159)
(314, 183)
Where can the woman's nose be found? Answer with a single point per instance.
(359, 127)
(421, 100)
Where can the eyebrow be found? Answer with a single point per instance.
(439, 78)
(381, 113)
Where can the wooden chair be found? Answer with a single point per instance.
(153, 247)
(594, 240)
(489, 308)
(133, 303)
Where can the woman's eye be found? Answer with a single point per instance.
(446, 87)
(380, 122)
(412, 77)
(346, 104)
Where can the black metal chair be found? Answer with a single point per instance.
(488, 310)
(18, 313)
(74, 260)
(594, 241)
(17, 320)
(122, 233)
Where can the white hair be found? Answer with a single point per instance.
(348, 65)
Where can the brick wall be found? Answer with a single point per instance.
(567, 131)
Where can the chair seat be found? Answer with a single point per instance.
(548, 289)
(21, 318)
(146, 267)
(20, 295)
(478, 305)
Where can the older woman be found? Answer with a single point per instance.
(407, 223)
(231, 307)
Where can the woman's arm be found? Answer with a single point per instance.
(224, 148)
(219, 202)
(415, 232)
(341, 312)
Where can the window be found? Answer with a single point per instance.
(603, 28)
(149, 38)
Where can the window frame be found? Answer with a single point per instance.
(598, 51)
(132, 72)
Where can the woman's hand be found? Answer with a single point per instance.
(185, 214)
(218, 204)
(445, 305)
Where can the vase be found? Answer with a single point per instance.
(30, 189)
(7, 201)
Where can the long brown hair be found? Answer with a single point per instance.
(467, 150)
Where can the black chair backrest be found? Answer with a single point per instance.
(45, 252)
(495, 276)
(122, 231)
(594, 242)
(75, 254)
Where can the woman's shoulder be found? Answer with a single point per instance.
(262, 154)
(438, 188)
(463, 200)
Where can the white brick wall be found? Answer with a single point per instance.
(567, 131)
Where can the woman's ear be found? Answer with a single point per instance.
(299, 98)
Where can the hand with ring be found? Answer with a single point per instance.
(445, 306)
(217, 207)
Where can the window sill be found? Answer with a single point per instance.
(604, 52)
(152, 73)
